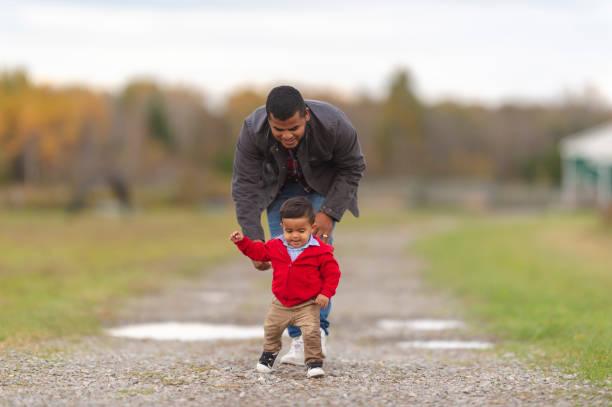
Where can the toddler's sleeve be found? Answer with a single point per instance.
(257, 251)
(330, 272)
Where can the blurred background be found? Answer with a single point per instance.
(494, 115)
(456, 102)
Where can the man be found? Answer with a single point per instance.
(295, 148)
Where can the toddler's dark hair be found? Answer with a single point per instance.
(299, 207)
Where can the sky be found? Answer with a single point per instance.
(485, 51)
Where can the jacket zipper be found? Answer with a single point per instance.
(288, 273)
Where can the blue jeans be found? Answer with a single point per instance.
(292, 190)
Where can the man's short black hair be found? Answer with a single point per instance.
(284, 101)
(299, 207)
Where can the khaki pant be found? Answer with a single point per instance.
(304, 315)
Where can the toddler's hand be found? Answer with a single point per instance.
(236, 236)
(322, 301)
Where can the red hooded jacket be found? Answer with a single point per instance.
(313, 272)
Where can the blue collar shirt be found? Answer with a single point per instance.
(294, 252)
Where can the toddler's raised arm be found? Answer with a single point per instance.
(254, 250)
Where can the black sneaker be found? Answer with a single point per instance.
(266, 361)
(315, 369)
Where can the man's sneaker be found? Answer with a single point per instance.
(323, 338)
(295, 356)
(266, 361)
(315, 370)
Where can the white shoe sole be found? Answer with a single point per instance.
(316, 372)
(262, 368)
(290, 360)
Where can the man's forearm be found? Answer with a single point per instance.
(340, 195)
(349, 165)
(248, 213)
(246, 191)
(251, 228)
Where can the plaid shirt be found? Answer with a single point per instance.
(294, 171)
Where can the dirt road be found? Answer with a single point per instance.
(367, 365)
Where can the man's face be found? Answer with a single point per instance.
(296, 231)
(289, 132)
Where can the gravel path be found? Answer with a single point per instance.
(366, 365)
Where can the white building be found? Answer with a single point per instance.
(587, 167)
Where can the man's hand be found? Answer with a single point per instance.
(323, 226)
(261, 265)
(322, 301)
(236, 236)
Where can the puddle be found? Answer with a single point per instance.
(179, 331)
(421, 324)
(446, 345)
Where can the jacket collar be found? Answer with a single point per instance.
(311, 242)
(321, 246)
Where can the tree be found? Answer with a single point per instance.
(400, 145)
(240, 104)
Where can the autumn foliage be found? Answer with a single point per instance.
(148, 135)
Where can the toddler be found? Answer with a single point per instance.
(305, 276)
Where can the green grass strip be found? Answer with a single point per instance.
(537, 281)
(63, 275)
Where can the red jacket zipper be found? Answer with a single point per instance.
(288, 275)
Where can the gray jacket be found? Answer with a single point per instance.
(329, 155)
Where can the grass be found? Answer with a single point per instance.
(542, 282)
(63, 275)
(539, 282)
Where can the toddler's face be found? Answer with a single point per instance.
(296, 231)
